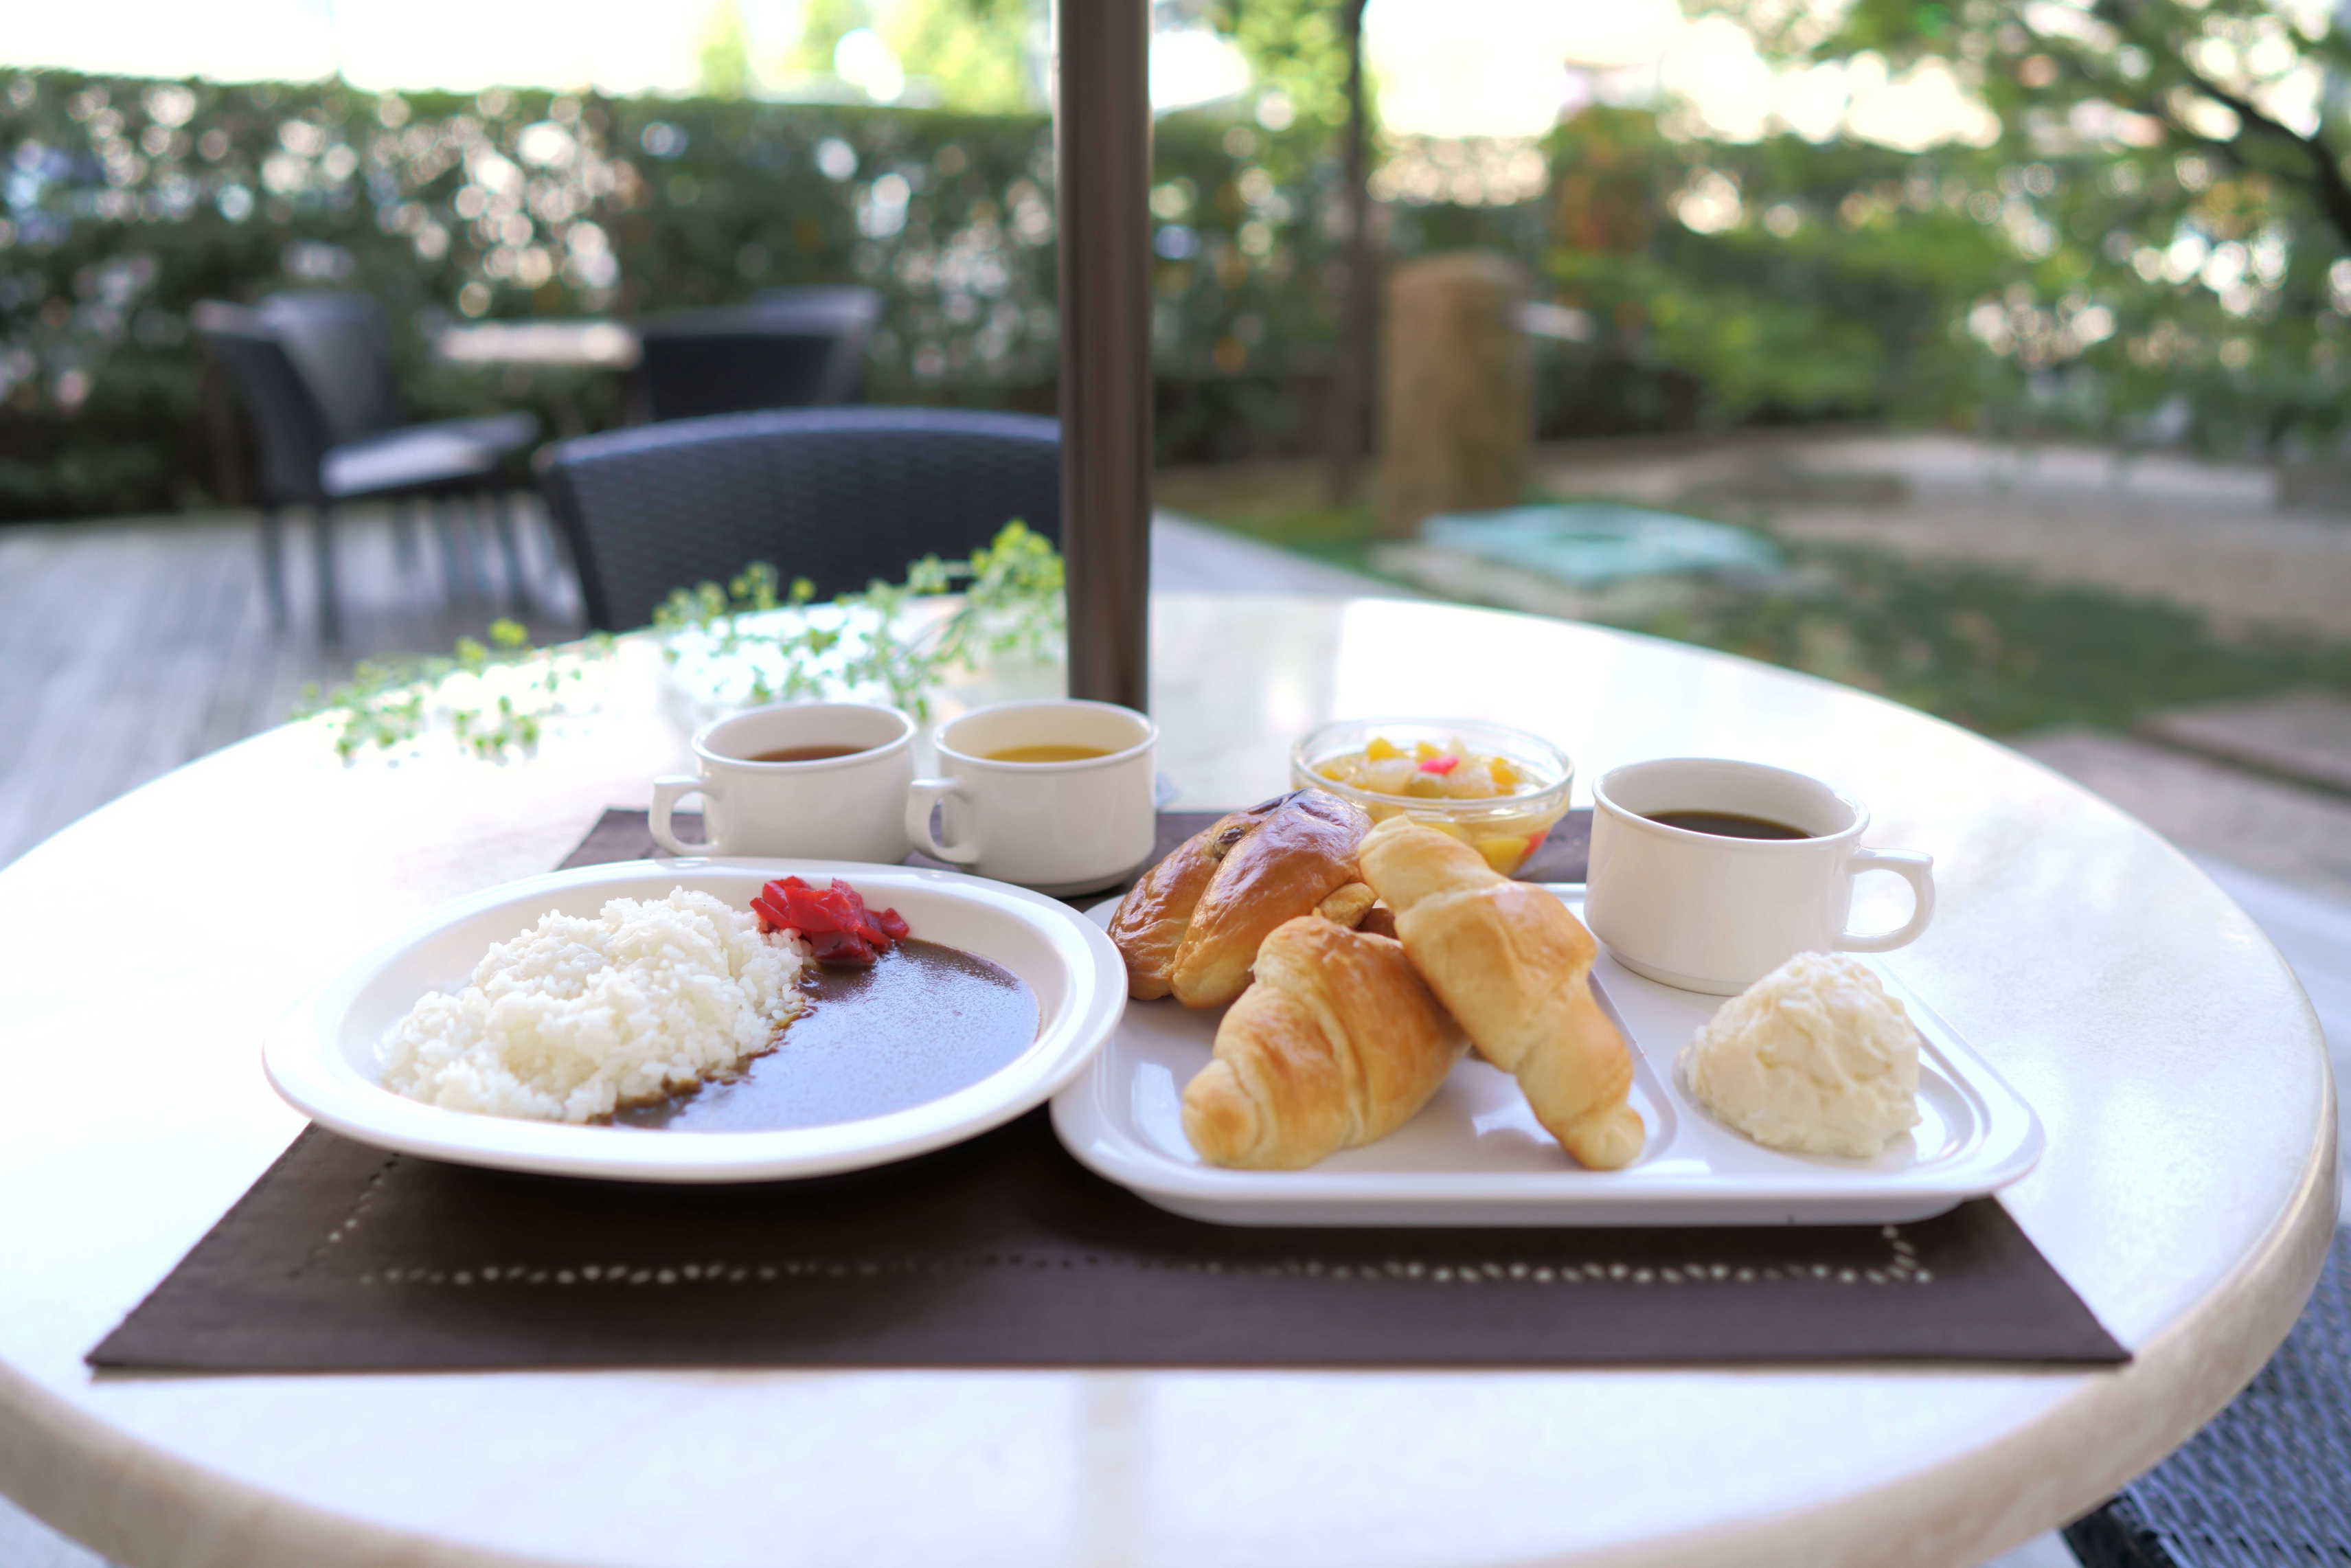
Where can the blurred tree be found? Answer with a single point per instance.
(2247, 81)
(1303, 49)
(976, 54)
(980, 56)
(1784, 279)
(2168, 179)
(723, 56)
(823, 24)
(1308, 56)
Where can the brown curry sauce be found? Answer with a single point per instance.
(921, 1022)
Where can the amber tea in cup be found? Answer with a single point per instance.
(1048, 753)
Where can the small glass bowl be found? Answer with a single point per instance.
(1506, 829)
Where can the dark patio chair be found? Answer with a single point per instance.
(302, 464)
(839, 497)
(787, 348)
(2267, 1484)
(341, 343)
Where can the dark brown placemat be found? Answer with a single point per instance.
(1005, 1252)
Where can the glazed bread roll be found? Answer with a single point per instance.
(1150, 922)
(1303, 853)
(1513, 967)
(1338, 1043)
(1192, 925)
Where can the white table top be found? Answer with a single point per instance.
(2187, 1192)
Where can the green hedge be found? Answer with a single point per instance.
(127, 201)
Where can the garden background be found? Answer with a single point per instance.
(2133, 226)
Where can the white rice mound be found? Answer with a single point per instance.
(577, 1016)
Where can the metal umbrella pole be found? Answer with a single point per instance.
(1102, 139)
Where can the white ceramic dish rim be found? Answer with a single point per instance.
(1838, 1189)
(307, 1064)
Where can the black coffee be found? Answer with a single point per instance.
(1728, 825)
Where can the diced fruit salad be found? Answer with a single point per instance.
(1429, 772)
(836, 925)
(1425, 771)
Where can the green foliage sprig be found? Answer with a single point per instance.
(392, 700)
(904, 638)
(1011, 608)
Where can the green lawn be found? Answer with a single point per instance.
(1991, 649)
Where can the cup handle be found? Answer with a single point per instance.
(921, 796)
(667, 793)
(1918, 871)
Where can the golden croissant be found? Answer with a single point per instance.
(1337, 1044)
(1513, 967)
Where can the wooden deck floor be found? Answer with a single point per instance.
(127, 649)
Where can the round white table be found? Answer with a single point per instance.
(2187, 1192)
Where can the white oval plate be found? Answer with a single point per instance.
(324, 1060)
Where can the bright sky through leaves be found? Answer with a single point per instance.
(1444, 67)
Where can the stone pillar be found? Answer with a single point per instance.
(1456, 394)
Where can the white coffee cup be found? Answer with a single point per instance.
(846, 808)
(1058, 827)
(1711, 913)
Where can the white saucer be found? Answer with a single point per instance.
(324, 1060)
(1476, 1156)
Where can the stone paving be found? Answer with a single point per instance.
(2209, 536)
(2285, 832)
(2301, 736)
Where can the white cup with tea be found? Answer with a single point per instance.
(1055, 795)
(799, 780)
(1707, 875)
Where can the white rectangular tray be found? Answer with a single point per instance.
(1476, 1156)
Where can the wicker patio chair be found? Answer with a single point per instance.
(2268, 1483)
(840, 496)
(787, 348)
